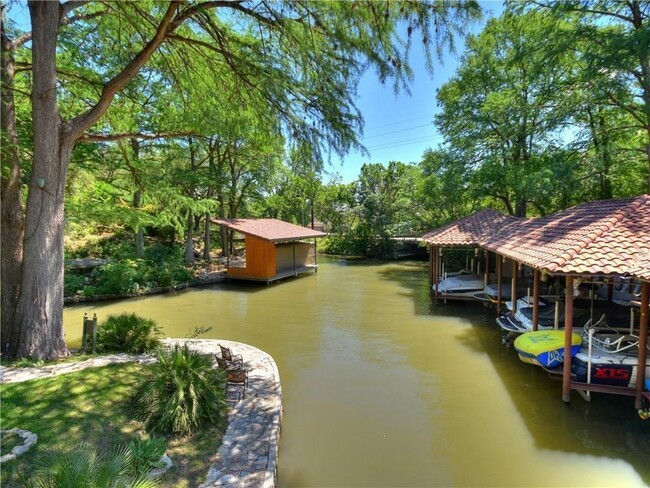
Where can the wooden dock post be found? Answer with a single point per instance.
(568, 329)
(643, 344)
(436, 273)
(89, 331)
(514, 285)
(535, 298)
(499, 277)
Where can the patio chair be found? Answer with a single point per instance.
(237, 377)
(227, 354)
(227, 366)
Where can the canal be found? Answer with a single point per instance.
(384, 388)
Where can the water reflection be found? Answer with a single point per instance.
(384, 388)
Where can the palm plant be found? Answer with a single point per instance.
(128, 333)
(84, 466)
(181, 391)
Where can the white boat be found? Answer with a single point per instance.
(460, 284)
(492, 290)
(613, 369)
(527, 301)
(522, 321)
(509, 323)
(546, 315)
(610, 339)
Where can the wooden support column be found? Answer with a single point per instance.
(643, 344)
(568, 329)
(436, 272)
(431, 265)
(499, 278)
(315, 254)
(225, 249)
(514, 285)
(293, 247)
(535, 299)
(487, 268)
(610, 291)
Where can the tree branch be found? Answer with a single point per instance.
(194, 9)
(586, 10)
(135, 135)
(79, 124)
(69, 6)
(628, 109)
(196, 42)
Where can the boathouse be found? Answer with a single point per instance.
(467, 233)
(274, 249)
(598, 241)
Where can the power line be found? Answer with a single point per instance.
(404, 142)
(379, 127)
(400, 130)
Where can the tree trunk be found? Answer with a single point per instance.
(189, 242)
(139, 232)
(38, 318)
(521, 207)
(206, 238)
(11, 237)
(137, 199)
(40, 306)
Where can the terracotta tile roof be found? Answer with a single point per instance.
(470, 230)
(607, 236)
(642, 266)
(270, 229)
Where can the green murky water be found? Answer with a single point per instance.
(382, 388)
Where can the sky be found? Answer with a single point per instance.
(401, 128)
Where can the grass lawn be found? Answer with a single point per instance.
(93, 406)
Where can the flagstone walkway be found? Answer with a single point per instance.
(248, 453)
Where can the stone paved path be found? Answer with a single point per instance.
(248, 453)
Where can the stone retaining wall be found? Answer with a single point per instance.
(248, 454)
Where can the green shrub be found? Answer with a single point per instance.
(342, 245)
(180, 392)
(121, 246)
(159, 253)
(146, 454)
(128, 333)
(165, 272)
(72, 283)
(116, 278)
(83, 467)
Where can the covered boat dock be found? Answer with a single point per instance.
(274, 249)
(597, 241)
(467, 233)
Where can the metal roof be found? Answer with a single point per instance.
(273, 230)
